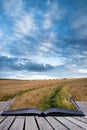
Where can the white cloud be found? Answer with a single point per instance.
(53, 13)
(41, 77)
(25, 24)
(45, 47)
(47, 24)
(79, 23)
(1, 34)
(6, 53)
(20, 62)
(23, 75)
(78, 56)
(83, 71)
(54, 61)
(13, 7)
(47, 44)
(53, 9)
(85, 53)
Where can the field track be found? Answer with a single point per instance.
(43, 93)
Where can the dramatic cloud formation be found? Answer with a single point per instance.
(23, 64)
(42, 39)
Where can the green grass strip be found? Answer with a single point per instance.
(57, 99)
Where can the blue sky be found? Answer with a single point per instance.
(42, 39)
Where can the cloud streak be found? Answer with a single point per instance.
(23, 64)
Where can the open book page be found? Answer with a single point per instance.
(62, 112)
(21, 112)
(20, 102)
(43, 95)
(47, 97)
(25, 104)
(48, 112)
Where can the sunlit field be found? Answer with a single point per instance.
(43, 94)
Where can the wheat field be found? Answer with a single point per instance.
(43, 93)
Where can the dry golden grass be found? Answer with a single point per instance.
(78, 89)
(35, 97)
(9, 88)
(31, 99)
(32, 93)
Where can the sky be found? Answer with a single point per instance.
(43, 39)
